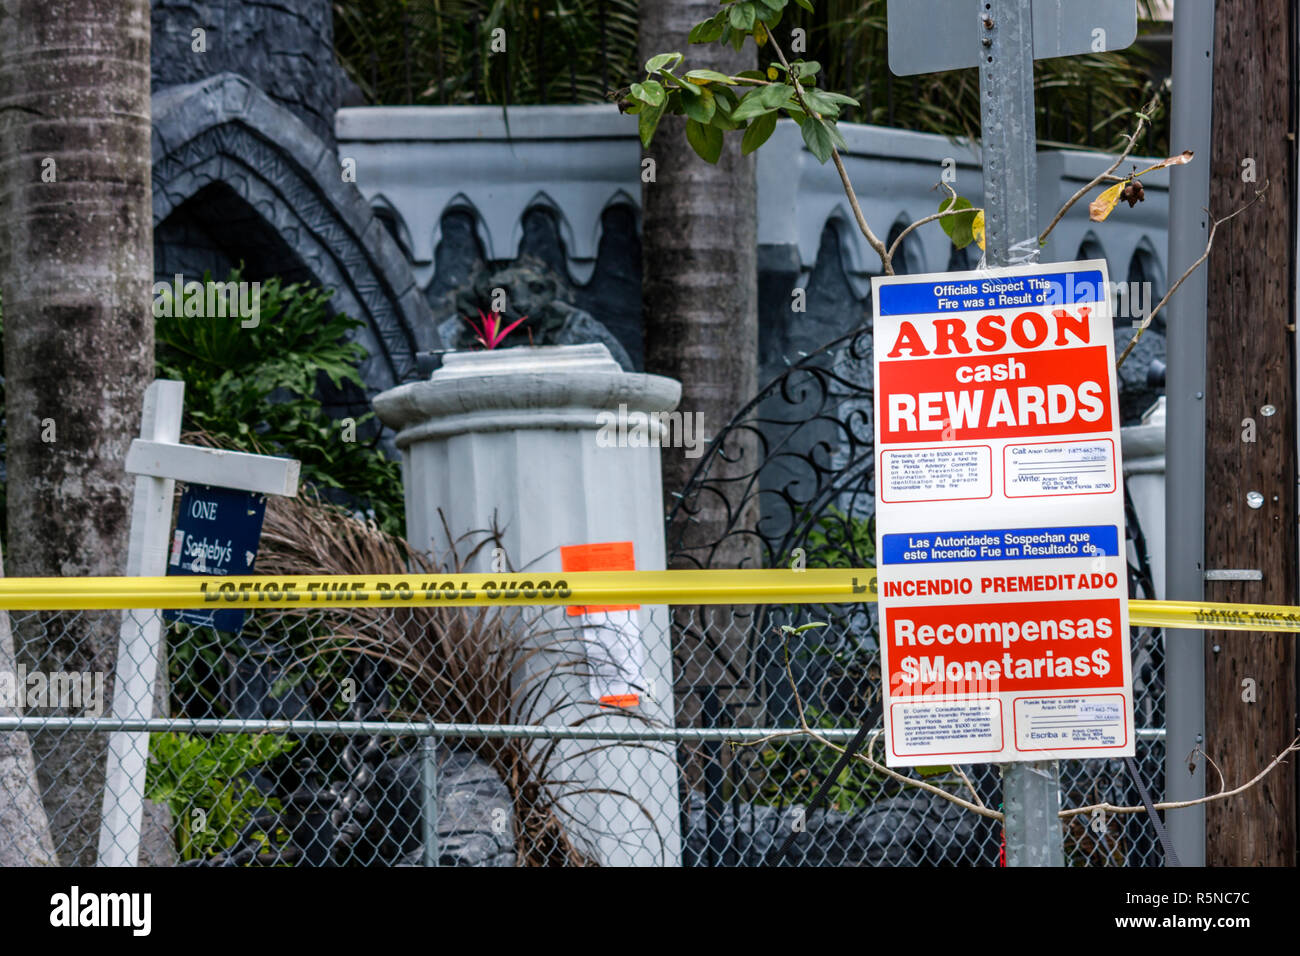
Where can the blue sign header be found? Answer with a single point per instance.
(971, 291)
(1004, 544)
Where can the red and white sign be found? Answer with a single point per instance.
(615, 650)
(1001, 563)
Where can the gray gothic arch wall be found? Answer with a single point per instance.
(225, 133)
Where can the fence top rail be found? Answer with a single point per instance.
(628, 732)
(556, 588)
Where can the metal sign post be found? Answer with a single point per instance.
(1031, 792)
(1003, 38)
(1189, 195)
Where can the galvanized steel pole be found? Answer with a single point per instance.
(429, 812)
(1031, 793)
(1189, 195)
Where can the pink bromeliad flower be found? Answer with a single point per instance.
(488, 329)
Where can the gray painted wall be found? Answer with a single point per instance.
(455, 184)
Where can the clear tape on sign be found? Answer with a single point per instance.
(1022, 253)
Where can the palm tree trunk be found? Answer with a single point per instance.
(699, 258)
(24, 829)
(76, 267)
(700, 308)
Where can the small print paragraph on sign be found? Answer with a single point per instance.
(959, 726)
(937, 474)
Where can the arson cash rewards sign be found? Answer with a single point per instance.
(1000, 517)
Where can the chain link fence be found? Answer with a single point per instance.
(477, 737)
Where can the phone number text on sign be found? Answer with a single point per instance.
(1059, 468)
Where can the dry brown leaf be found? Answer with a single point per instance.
(1101, 207)
(1105, 204)
(1182, 159)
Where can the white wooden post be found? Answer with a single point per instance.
(158, 461)
(139, 638)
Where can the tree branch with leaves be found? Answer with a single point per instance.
(716, 103)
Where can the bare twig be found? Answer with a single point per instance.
(789, 675)
(979, 808)
(1293, 747)
(886, 258)
(969, 786)
(873, 240)
(865, 756)
(1209, 244)
(1144, 117)
(1208, 759)
(779, 735)
(921, 222)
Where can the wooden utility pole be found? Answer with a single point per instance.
(1250, 439)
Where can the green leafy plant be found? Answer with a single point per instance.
(752, 100)
(258, 389)
(447, 51)
(442, 51)
(960, 228)
(204, 782)
(1091, 95)
(716, 103)
(840, 540)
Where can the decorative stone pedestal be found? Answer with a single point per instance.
(511, 437)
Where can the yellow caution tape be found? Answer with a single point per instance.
(1204, 616)
(599, 588)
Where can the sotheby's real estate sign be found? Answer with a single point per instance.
(1000, 517)
(217, 532)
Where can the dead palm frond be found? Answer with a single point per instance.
(448, 664)
(457, 665)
